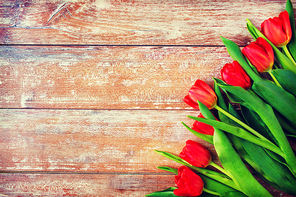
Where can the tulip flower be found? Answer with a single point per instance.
(278, 29)
(202, 127)
(234, 74)
(260, 54)
(196, 154)
(188, 182)
(202, 92)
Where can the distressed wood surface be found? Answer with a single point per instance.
(103, 141)
(90, 88)
(134, 22)
(110, 185)
(104, 77)
(82, 184)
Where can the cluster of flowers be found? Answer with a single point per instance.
(258, 136)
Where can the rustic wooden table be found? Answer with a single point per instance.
(89, 88)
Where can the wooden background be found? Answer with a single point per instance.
(88, 89)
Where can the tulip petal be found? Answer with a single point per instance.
(188, 182)
(196, 154)
(260, 54)
(265, 45)
(278, 29)
(233, 74)
(287, 79)
(201, 91)
(284, 16)
(190, 102)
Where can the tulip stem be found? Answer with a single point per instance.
(218, 168)
(274, 79)
(288, 54)
(211, 192)
(241, 123)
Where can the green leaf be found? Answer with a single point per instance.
(283, 59)
(252, 31)
(287, 79)
(233, 97)
(237, 142)
(217, 187)
(292, 43)
(221, 103)
(290, 135)
(266, 164)
(172, 157)
(164, 193)
(272, 171)
(252, 118)
(233, 194)
(239, 132)
(235, 167)
(278, 98)
(207, 138)
(166, 168)
(288, 126)
(267, 115)
(232, 162)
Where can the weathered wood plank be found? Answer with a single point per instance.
(136, 22)
(82, 184)
(89, 185)
(104, 77)
(92, 140)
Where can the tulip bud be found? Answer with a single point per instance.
(278, 29)
(202, 92)
(196, 154)
(260, 54)
(188, 182)
(202, 127)
(234, 74)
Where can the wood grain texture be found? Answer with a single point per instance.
(121, 141)
(89, 88)
(131, 22)
(83, 185)
(96, 185)
(104, 77)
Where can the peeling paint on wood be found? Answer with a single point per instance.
(82, 184)
(105, 81)
(102, 185)
(137, 22)
(104, 77)
(92, 140)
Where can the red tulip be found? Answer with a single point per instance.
(234, 74)
(188, 182)
(202, 127)
(260, 54)
(278, 29)
(196, 154)
(202, 92)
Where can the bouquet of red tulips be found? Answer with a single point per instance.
(253, 137)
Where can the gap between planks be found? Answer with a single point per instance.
(86, 173)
